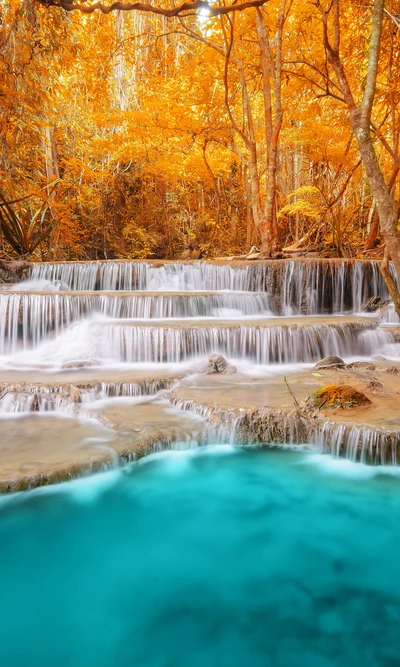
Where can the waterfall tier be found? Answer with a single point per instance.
(118, 341)
(31, 316)
(308, 287)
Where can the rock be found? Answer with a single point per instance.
(338, 396)
(217, 364)
(378, 357)
(75, 395)
(14, 271)
(374, 303)
(393, 370)
(78, 364)
(361, 365)
(330, 362)
(35, 407)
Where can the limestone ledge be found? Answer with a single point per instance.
(214, 408)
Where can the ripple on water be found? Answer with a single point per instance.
(218, 556)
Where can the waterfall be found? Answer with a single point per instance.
(117, 342)
(31, 317)
(309, 287)
(66, 398)
(358, 443)
(93, 320)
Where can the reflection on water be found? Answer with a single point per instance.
(218, 557)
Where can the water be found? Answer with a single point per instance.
(210, 558)
(308, 287)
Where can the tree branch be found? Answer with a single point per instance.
(188, 6)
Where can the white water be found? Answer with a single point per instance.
(52, 330)
(300, 287)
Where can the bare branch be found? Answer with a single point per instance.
(186, 7)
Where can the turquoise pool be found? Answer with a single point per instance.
(217, 557)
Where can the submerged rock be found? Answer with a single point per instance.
(78, 364)
(330, 361)
(361, 365)
(218, 364)
(338, 396)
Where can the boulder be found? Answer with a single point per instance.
(330, 362)
(217, 364)
(338, 396)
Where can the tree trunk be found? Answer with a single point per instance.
(360, 119)
(390, 282)
(379, 190)
(373, 232)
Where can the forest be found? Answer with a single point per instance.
(199, 130)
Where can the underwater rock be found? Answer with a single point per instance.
(330, 361)
(218, 364)
(78, 364)
(338, 396)
(361, 365)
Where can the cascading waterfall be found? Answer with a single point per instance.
(114, 341)
(309, 287)
(66, 398)
(276, 426)
(30, 317)
(95, 315)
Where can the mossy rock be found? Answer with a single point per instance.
(338, 396)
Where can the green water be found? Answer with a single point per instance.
(214, 558)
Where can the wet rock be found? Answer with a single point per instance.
(379, 357)
(75, 395)
(329, 362)
(338, 396)
(217, 364)
(374, 303)
(78, 364)
(35, 407)
(361, 365)
(14, 270)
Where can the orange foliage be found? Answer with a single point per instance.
(148, 129)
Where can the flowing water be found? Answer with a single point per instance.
(79, 332)
(215, 557)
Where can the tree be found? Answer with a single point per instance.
(360, 114)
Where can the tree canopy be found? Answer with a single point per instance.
(201, 127)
